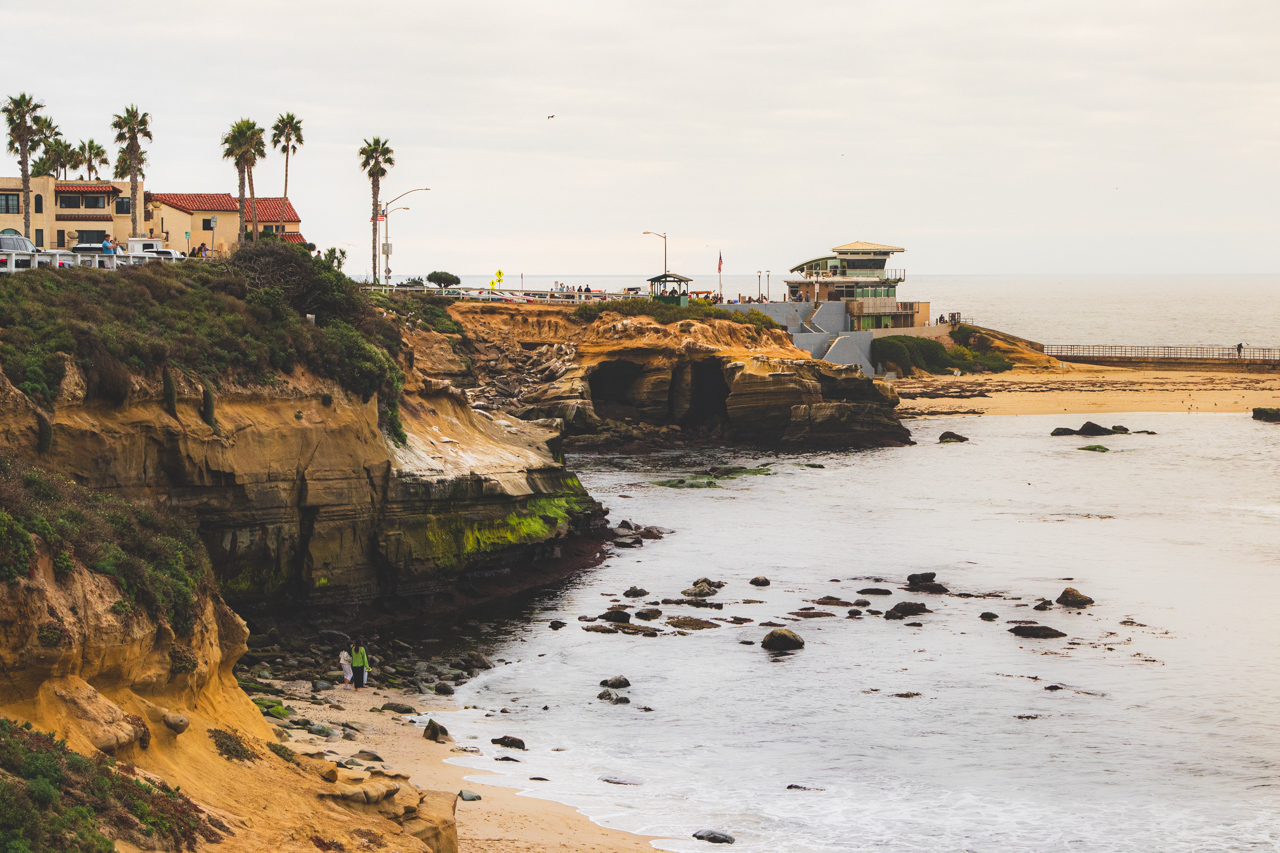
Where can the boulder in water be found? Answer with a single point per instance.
(636, 592)
(615, 616)
(1072, 597)
(508, 741)
(1092, 429)
(1266, 413)
(950, 437)
(906, 608)
(759, 580)
(713, 836)
(648, 614)
(617, 682)
(1036, 632)
(556, 625)
(989, 616)
(872, 590)
(782, 640)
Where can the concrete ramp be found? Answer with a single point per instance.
(852, 348)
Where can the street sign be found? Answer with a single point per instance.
(213, 222)
(386, 248)
(381, 218)
(188, 233)
(498, 276)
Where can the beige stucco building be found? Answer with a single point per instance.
(209, 218)
(64, 213)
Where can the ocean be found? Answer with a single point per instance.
(1119, 310)
(1153, 726)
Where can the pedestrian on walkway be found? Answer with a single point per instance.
(1239, 350)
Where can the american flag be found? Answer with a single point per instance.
(720, 266)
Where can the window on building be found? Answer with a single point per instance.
(62, 239)
(9, 203)
(207, 224)
(122, 206)
(92, 236)
(39, 238)
(69, 202)
(39, 203)
(95, 202)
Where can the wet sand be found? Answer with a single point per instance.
(501, 821)
(1085, 391)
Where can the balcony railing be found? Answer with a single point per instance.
(876, 275)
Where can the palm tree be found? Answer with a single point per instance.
(243, 144)
(375, 156)
(131, 128)
(62, 156)
(92, 155)
(20, 113)
(286, 136)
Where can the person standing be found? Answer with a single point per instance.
(1239, 350)
(344, 658)
(359, 663)
(106, 245)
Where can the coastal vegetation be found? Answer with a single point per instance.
(697, 309)
(286, 137)
(20, 114)
(241, 321)
(907, 353)
(160, 566)
(244, 144)
(54, 800)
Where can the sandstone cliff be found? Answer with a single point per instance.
(123, 683)
(302, 500)
(712, 379)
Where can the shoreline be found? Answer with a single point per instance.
(503, 820)
(1084, 392)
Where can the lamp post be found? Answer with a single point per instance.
(386, 240)
(759, 276)
(664, 249)
(768, 286)
(386, 246)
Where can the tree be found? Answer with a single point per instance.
(375, 157)
(286, 136)
(92, 155)
(60, 157)
(335, 258)
(444, 279)
(244, 144)
(131, 127)
(20, 113)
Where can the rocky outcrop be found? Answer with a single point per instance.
(629, 379)
(302, 500)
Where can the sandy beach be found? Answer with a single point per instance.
(501, 821)
(1085, 390)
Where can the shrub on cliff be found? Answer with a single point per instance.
(696, 310)
(159, 566)
(244, 321)
(53, 799)
(909, 351)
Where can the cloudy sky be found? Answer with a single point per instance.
(1001, 137)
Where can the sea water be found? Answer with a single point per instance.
(1164, 736)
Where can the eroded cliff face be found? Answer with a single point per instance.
(121, 683)
(717, 380)
(306, 504)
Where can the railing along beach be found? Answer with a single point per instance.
(1088, 351)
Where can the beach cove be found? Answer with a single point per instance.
(954, 733)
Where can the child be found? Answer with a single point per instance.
(345, 659)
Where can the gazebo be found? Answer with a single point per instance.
(671, 283)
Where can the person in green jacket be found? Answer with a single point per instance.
(359, 662)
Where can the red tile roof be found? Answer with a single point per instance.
(269, 210)
(291, 237)
(203, 202)
(84, 217)
(86, 188)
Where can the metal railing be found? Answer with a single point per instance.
(484, 294)
(870, 275)
(18, 261)
(1086, 351)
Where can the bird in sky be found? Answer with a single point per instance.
(551, 116)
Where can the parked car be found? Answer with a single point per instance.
(165, 254)
(87, 248)
(17, 243)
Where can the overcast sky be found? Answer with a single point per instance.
(1002, 137)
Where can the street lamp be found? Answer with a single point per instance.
(768, 286)
(386, 241)
(664, 249)
(759, 274)
(386, 247)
